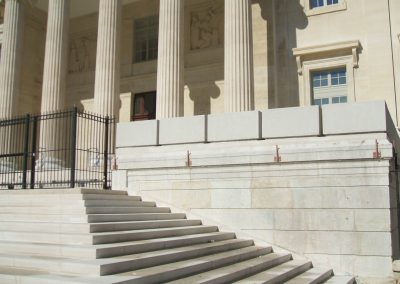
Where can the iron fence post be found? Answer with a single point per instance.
(74, 120)
(33, 151)
(105, 163)
(26, 149)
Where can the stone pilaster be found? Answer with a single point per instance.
(56, 56)
(239, 77)
(106, 91)
(170, 71)
(11, 53)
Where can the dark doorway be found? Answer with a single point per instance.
(144, 106)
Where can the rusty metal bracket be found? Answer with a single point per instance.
(188, 159)
(377, 154)
(277, 158)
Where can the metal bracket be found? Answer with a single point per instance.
(188, 159)
(377, 154)
(277, 158)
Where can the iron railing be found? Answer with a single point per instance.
(62, 149)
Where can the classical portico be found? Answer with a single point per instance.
(239, 82)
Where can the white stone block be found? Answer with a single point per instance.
(135, 134)
(234, 126)
(183, 130)
(365, 117)
(291, 122)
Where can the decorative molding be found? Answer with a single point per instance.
(350, 47)
(341, 6)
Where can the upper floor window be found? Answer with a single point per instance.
(329, 86)
(146, 39)
(318, 7)
(321, 3)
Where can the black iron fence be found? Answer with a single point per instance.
(62, 149)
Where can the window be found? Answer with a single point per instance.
(144, 106)
(329, 86)
(146, 39)
(327, 72)
(321, 3)
(318, 7)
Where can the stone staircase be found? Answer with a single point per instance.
(92, 236)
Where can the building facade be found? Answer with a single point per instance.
(211, 57)
(318, 181)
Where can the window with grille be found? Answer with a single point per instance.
(146, 39)
(329, 86)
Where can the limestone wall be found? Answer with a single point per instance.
(331, 198)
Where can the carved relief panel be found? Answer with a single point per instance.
(207, 25)
(82, 53)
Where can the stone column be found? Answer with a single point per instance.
(54, 85)
(239, 77)
(11, 54)
(106, 89)
(170, 71)
(10, 73)
(56, 56)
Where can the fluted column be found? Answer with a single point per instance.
(106, 90)
(170, 71)
(54, 84)
(239, 77)
(11, 53)
(56, 56)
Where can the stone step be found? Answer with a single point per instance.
(176, 270)
(82, 210)
(109, 250)
(48, 197)
(65, 191)
(312, 276)
(103, 238)
(341, 280)
(234, 272)
(82, 228)
(97, 218)
(112, 237)
(126, 210)
(279, 274)
(10, 275)
(76, 203)
(91, 218)
(120, 264)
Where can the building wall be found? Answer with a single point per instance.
(340, 212)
